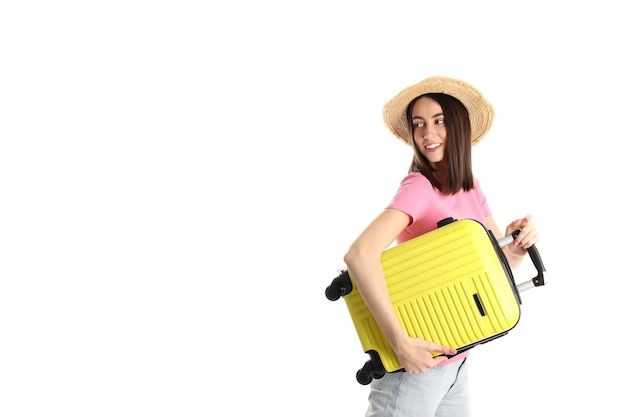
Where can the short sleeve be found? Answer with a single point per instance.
(414, 196)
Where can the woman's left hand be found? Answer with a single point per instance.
(527, 236)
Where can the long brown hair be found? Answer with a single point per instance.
(458, 150)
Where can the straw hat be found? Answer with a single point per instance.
(479, 109)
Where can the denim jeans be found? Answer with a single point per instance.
(439, 392)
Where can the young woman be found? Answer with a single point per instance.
(441, 119)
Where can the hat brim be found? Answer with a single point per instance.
(480, 110)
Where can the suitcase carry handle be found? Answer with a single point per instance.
(533, 252)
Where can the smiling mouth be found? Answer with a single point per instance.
(433, 146)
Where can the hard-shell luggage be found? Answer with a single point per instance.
(452, 286)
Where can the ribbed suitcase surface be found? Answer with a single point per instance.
(448, 286)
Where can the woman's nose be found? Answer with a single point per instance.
(428, 131)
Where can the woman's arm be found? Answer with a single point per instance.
(363, 262)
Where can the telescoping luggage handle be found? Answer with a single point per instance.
(533, 252)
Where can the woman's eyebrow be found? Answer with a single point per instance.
(432, 117)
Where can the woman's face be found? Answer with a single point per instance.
(429, 129)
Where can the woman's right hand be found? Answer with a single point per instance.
(416, 355)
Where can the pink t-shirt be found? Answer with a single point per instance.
(426, 205)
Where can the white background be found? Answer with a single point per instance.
(179, 182)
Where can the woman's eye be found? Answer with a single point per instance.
(439, 121)
(417, 125)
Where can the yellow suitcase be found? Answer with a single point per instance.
(452, 286)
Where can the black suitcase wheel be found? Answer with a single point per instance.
(370, 370)
(339, 287)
